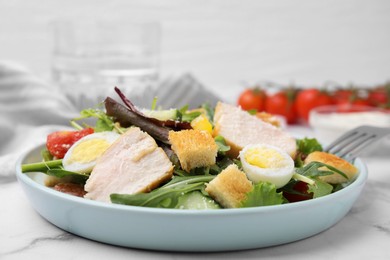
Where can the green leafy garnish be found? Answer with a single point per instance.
(306, 146)
(315, 169)
(263, 194)
(185, 116)
(320, 188)
(166, 196)
(103, 121)
(222, 146)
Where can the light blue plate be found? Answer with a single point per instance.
(187, 230)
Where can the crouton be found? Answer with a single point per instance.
(335, 161)
(239, 129)
(193, 148)
(230, 187)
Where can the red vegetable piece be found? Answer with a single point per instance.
(58, 143)
(301, 193)
(71, 188)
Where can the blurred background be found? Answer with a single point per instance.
(227, 44)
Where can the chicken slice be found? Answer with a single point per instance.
(239, 129)
(133, 164)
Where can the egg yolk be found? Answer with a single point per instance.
(89, 150)
(201, 123)
(264, 158)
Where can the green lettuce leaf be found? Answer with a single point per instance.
(263, 194)
(308, 145)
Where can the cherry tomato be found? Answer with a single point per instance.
(308, 99)
(282, 103)
(380, 97)
(252, 99)
(300, 193)
(58, 143)
(345, 98)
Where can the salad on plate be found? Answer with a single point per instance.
(181, 158)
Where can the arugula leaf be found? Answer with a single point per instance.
(314, 169)
(320, 188)
(103, 121)
(263, 194)
(166, 196)
(222, 146)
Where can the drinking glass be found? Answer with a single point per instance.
(89, 58)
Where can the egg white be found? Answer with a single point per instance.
(279, 175)
(70, 164)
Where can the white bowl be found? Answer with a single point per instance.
(330, 122)
(187, 230)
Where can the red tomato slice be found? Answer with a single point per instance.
(58, 143)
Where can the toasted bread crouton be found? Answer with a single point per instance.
(230, 187)
(239, 129)
(194, 148)
(335, 161)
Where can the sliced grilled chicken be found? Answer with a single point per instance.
(239, 129)
(133, 164)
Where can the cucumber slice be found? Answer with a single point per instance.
(163, 115)
(196, 200)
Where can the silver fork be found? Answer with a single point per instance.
(352, 143)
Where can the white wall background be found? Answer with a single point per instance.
(224, 43)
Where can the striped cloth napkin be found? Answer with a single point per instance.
(31, 108)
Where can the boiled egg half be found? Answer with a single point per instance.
(83, 154)
(267, 163)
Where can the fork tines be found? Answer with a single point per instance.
(350, 144)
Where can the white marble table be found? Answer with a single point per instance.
(364, 233)
(222, 43)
